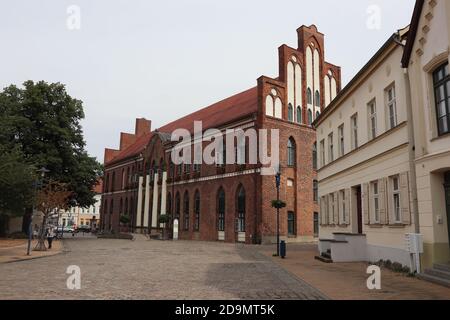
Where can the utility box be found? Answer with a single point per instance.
(414, 245)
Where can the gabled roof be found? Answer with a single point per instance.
(412, 33)
(220, 113)
(226, 111)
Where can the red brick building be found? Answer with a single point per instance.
(230, 202)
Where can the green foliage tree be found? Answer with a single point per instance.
(43, 122)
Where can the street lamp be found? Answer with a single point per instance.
(278, 182)
(42, 171)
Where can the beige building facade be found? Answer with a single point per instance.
(384, 151)
(426, 58)
(365, 187)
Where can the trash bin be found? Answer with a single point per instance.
(283, 249)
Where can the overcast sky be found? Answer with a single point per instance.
(164, 59)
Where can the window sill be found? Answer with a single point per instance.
(442, 136)
(376, 226)
(397, 226)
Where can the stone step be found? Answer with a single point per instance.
(433, 279)
(323, 259)
(438, 273)
(326, 255)
(442, 267)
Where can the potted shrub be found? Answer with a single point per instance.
(124, 221)
(278, 204)
(164, 219)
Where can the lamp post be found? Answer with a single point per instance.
(277, 182)
(43, 171)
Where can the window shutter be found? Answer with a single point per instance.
(321, 212)
(336, 208)
(404, 198)
(382, 200)
(390, 202)
(371, 204)
(365, 202)
(347, 206)
(330, 210)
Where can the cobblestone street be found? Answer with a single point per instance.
(142, 269)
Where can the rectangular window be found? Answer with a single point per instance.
(332, 205)
(354, 125)
(322, 153)
(396, 198)
(291, 224)
(315, 191)
(391, 107)
(330, 148)
(441, 83)
(372, 119)
(341, 140)
(343, 208)
(316, 224)
(376, 202)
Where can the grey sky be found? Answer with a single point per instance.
(164, 59)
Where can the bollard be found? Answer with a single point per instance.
(283, 249)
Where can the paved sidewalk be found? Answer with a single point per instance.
(143, 269)
(16, 250)
(347, 281)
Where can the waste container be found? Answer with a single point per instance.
(283, 249)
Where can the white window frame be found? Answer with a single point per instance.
(376, 201)
(343, 208)
(391, 105)
(396, 194)
(341, 140)
(372, 118)
(322, 153)
(330, 148)
(354, 130)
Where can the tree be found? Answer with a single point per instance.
(42, 121)
(52, 197)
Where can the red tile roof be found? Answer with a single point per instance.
(216, 115)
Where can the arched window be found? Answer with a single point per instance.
(310, 120)
(314, 155)
(197, 211)
(240, 206)
(177, 206)
(131, 207)
(105, 207)
(186, 211)
(315, 191)
(169, 204)
(221, 210)
(299, 114)
(290, 112)
(317, 114)
(113, 182)
(317, 99)
(309, 96)
(291, 152)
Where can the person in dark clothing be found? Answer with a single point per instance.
(50, 236)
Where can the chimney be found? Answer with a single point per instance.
(143, 126)
(126, 140)
(110, 154)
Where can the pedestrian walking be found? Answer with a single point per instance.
(50, 236)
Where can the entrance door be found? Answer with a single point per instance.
(447, 200)
(359, 209)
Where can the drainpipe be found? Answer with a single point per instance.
(411, 141)
(411, 152)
